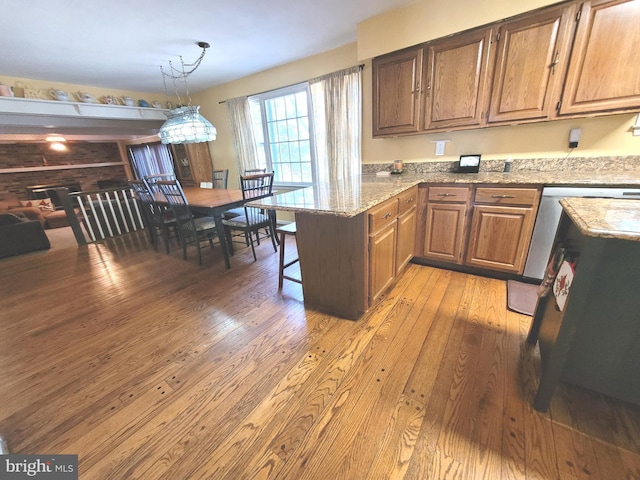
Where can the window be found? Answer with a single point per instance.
(151, 159)
(284, 134)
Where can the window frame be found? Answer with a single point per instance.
(261, 98)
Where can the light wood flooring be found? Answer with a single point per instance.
(148, 366)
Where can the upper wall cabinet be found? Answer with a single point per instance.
(604, 73)
(396, 92)
(568, 60)
(532, 56)
(456, 79)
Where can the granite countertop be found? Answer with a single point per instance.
(362, 192)
(605, 217)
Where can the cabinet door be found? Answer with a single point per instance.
(500, 237)
(455, 80)
(531, 60)
(604, 71)
(444, 233)
(382, 260)
(406, 238)
(396, 92)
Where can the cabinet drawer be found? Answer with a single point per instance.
(449, 194)
(511, 196)
(383, 214)
(407, 200)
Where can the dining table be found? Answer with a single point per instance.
(212, 202)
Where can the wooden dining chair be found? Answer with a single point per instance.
(254, 171)
(160, 221)
(151, 180)
(220, 178)
(192, 230)
(254, 219)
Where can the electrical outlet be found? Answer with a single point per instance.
(440, 147)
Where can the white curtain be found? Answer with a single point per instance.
(151, 159)
(244, 142)
(337, 119)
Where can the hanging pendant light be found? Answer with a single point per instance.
(185, 124)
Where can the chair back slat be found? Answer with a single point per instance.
(256, 186)
(173, 193)
(152, 180)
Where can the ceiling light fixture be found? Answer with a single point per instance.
(55, 138)
(58, 147)
(185, 124)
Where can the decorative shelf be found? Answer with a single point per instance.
(59, 167)
(21, 115)
(35, 106)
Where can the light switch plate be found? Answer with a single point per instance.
(440, 147)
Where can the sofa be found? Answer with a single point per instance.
(10, 203)
(21, 235)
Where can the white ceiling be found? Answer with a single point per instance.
(121, 44)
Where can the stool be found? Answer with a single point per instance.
(284, 230)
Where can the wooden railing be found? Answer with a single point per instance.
(99, 214)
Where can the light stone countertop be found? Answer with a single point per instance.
(605, 217)
(365, 191)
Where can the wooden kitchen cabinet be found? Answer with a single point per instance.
(445, 220)
(604, 70)
(396, 92)
(406, 224)
(456, 79)
(577, 59)
(392, 233)
(501, 228)
(383, 235)
(532, 55)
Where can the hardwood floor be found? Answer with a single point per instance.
(148, 366)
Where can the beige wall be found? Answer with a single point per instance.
(292, 73)
(418, 22)
(608, 135)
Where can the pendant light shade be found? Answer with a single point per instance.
(186, 125)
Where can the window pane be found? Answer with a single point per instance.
(303, 128)
(286, 138)
(280, 109)
(290, 101)
(273, 132)
(301, 103)
(292, 129)
(282, 132)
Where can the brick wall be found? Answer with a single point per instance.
(32, 154)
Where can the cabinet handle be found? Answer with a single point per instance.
(387, 215)
(555, 62)
(447, 195)
(503, 196)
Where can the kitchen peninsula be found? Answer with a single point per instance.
(589, 336)
(345, 231)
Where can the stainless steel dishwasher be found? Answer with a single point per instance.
(548, 218)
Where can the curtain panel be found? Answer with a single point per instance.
(337, 118)
(244, 142)
(151, 159)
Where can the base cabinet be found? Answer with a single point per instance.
(478, 226)
(382, 258)
(392, 233)
(499, 237)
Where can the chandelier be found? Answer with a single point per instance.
(184, 123)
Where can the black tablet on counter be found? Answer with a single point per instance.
(469, 164)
